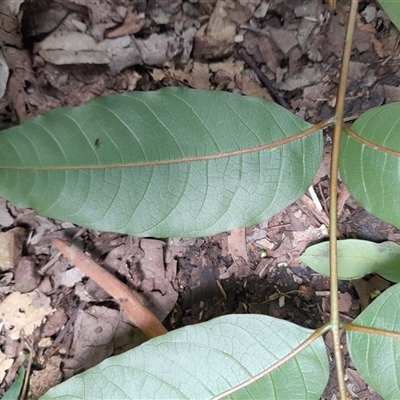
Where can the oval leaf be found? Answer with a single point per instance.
(371, 175)
(392, 8)
(205, 360)
(376, 357)
(176, 162)
(356, 258)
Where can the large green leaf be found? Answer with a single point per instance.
(356, 258)
(377, 357)
(205, 360)
(371, 175)
(392, 8)
(173, 162)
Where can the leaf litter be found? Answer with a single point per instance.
(184, 281)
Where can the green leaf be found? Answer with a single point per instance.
(356, 258)
(175, 162)
(392, 8)
(15, 389)
(203, 361)
(371, 175)
(376, 357)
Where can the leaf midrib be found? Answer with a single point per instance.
(233, 153)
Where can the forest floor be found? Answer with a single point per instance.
(64, 53)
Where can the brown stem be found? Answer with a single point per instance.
(143, 318)
(337, 130)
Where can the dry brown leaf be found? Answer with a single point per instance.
(132, 24)
(344, 194)
(364, 291)
(216, 39)
(377, 47)
(4, 72)
(392, 93)
(102, 16)
(24, 312)
(237, 244)
(195, 74)
(251, 88)
(157, 292)
(27, 277)
(345, 301)
(238, 250)
(11, 248)
(72, 48)
(5, 218)
(5, 364)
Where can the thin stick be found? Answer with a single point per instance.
(28, 370)
(280, 100)
(68, 325)
(339, 112)
(143, 318)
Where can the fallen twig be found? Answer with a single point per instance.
(68, 325)
(265, 81)
(30, 346)
(139, 315)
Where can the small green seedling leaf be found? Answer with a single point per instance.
(376, 357)
(392, 9)
(175, 162)
(372, 175)
(14, 391)
(205, 360)
(356, 258)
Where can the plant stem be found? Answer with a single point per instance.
(339, 111)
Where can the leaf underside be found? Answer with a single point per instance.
(175, 162)
(376, 356)
(371, 175)
(356, 258)
(202, 361)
